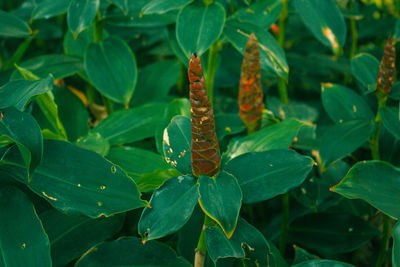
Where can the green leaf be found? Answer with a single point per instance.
(94, 142)
(23, 241)
(171, 207)
(111, 68)
(391, 120)
(48, 8)
(395, 93)
(148, 169)
(61, 66)
(129, 251)
(323, 263)
(178, 106)
(272, 173)
(163, 6)
(272, 56)
(76, 234)
(177, 144)
(221, 191)
(77, 47)
(246, 241)
(79, 181)
(362, 177)
(277, 136)
(81, 14)
(396, 34)
(72, 113)
(396, 245)
(198, 27)
(324, 20)
(228, 124)
(130, 125)
(365, 68)
(344, 138)
(155, 80)
(343, 104)
(18, 93)
(302, 255)
(331, 233)
(262, 13)
(22, 128)
(13, 26)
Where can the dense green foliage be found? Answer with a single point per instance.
(95, 134)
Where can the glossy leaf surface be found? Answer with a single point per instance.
(13, 26)
(221, 191)
(365, 68)
(379, 175)
(270, 173)
(391, 120)
(171, 207)
(163, 6)
(81, 13)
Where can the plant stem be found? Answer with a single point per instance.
(201, 249)
(354, 37)
(98, 28)
(285, 223)
(108, 104)
(375, 156)
(281, 41)
(211, 69)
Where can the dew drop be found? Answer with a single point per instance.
(113, 169)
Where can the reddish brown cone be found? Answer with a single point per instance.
(250, 92)
(387, 68)
(205, 150)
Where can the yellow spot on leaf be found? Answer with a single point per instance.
(113, 169)
(354, 108)
(228, 129)
(23, 245)
(49, 197)
(166, 137)
(327, 32)
(102, 187)
(99, 204)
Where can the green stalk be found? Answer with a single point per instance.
(285, 223)
(211, 69)
(281, 41)
(354, 37)
(108, 104)
(201, 249)
(375, 156)
(98, 28)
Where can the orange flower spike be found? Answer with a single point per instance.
(250, 91)
(387, 68)
(205, 149)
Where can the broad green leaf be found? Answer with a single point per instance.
(323, 263)
(343, 139)
(77, 47)
(363, 176)
(246, 241)
(72, 113)
(301, 255)
(129, 251)
(22, 128)
(13, 26)
(277, 136)
(298, 110)
(81, 14)
(79, 181)
(324, 20)
(227, 124)
(177, 144)
(171, 207)
(396, 245)
(163, 6)
(221, 191)
(122, 4)
(269, 173)
(18, 93)
(198, 27)
(148, 169)
(272, 56)
(343, 104)
(395, 93)
(396, 34)
(76, 234)
(130, 125)
(155, 80)
(61, 66)
(111, 68)
(391, 120)
(365, 68)
(331, 233)
(262, 13)
(23, 241)
(48, 8)
(178, 106)
(95, 142)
